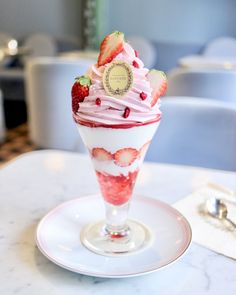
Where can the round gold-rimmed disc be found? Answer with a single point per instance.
(117, 78)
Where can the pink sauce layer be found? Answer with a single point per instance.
(116, 126)
(111, 110)
(117, 190)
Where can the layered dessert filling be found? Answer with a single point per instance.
(116, 190)
(117, 161)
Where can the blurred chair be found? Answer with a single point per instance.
(81, 54)
(4, 39)
(169, 53)
(68, 43)
(146, 50)
(197, 133)
(48, 86)
(39, 45)
(215, 84)
(221, 47)
(2, 123)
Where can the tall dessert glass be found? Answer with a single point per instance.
(116, 108)
(117, 155)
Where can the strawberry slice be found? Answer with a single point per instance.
(125, 157)
(101, 154)
(144, 148)
(110, 47)
(158, 82)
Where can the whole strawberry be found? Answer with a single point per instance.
(79, 91)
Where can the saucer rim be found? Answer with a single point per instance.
(188, 235)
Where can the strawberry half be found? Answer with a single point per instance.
(79, 91)
(110, 47)
(125, 157)
(101, 154)
(158, 82)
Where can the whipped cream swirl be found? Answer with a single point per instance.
(111, 109)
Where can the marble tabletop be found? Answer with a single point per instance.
(36, 182)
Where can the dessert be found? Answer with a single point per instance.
(116, 108)
(117, 129)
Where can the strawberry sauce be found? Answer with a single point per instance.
(117, 190)
(118, 126)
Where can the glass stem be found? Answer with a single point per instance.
(116, 220)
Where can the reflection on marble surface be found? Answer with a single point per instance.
(29, 188)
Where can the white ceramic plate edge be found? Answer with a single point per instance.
(106, 275)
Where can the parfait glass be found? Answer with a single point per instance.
(117, 153)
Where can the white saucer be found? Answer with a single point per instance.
(58, 237)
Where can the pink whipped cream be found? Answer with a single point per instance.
(111, 109)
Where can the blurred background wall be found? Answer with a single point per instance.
(59, 18)
(182, 21)
(175, 21)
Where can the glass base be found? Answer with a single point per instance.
(97, 238)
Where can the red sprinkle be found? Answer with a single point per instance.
(135, 64)
(136, 53)
(143, 95)
(98, 101)
(126, 112)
